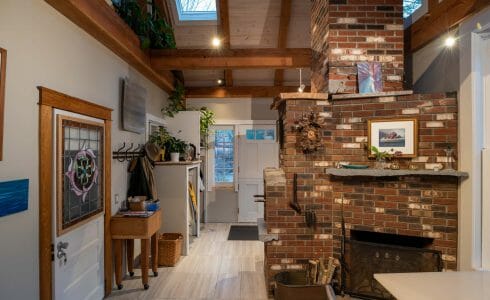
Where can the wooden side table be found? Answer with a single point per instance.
(131, 228)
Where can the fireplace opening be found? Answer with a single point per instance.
(391, 239)
(368, 253)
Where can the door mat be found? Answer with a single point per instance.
(243, 233)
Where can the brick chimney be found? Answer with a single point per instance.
(345, 32)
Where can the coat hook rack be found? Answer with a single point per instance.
(128, 151)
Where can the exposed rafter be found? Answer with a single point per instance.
(239, 91)
(99, 20)
(440, 18)
(224, 32)
(200, 59)
(283, 36)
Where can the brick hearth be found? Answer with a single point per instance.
(423, 206)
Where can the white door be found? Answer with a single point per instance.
(257, 149)
(81, 275)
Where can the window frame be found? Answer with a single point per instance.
(417, 14)
(197, 22)
(224, 185)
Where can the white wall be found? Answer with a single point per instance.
(237, 108)
(471, 107)
(45, 49)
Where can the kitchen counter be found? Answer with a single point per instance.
(437, 285)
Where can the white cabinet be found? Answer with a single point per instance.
(172, 180)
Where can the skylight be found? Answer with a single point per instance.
(409, 7)
(196, 10)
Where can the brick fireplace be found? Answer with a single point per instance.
(419, 206)
(406, 207)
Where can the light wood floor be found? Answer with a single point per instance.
(215, 269)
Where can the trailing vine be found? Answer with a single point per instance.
(152, 30)
(176, 101)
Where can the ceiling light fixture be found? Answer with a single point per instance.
(219, 81)
(301, 87)
(216, 42)
(450, 41)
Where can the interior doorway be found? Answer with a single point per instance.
(238, 152)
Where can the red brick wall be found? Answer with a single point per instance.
(416, 206)
(356, 30)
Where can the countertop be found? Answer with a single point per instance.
(437, 285)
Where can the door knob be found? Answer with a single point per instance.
(61, 254)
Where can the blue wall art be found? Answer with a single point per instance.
(14, 196)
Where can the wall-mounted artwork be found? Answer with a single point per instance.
(80, 167)
(3, 73)
(14, 196)
(393, 135)
(369, 77)
(134, 107)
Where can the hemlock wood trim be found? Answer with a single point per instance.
(99, 20)
(201, 59)
(48, 101)
(282, 36)
(440, 18)
(239, 91)
(224, 30)
(3, 73)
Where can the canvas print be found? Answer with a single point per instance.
(394, 135)
(369, 77)
(14, 196)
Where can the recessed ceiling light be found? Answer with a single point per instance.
(219, 81)
(216, 42)
(450, 41)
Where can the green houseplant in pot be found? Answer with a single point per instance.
(380, 157)
(160, 138)
(175, 147)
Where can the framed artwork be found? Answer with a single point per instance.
(392, 135)
(3, 72)
(14, 196)
(369, 77)
(80, 169)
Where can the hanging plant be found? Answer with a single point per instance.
(176, 101)
(152, 30)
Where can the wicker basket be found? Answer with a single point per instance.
(169, 249)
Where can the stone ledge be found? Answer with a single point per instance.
(263, 235)
(392, 173)
(274, 177)
(323, 97)
(371, 95)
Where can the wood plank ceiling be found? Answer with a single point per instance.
(256, 39)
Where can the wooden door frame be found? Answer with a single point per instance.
(49, 100)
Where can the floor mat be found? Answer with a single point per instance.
(243, 233)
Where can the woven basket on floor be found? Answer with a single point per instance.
(169, 249)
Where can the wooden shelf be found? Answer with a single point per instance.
(180, 163)
(371, 95)
(392, 173)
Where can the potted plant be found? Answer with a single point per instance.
(380, 157)
(175, 147)
(160, 138)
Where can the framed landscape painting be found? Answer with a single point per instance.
(393, 135)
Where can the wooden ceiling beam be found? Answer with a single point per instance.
(201, 59)
(440, 18)
(282, 36)
(224, 32)
(239, 91)
(99, 20)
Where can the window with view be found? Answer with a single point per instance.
(196, 10)
(224, 148)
